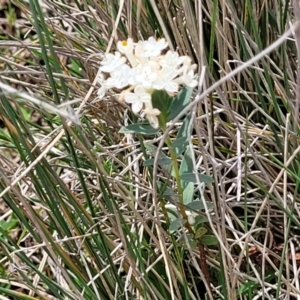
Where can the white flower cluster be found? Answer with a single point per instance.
(140, 68)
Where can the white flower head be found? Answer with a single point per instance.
(188, 77)
(187, 61)
(137, 69)
(104, 87)
(112, 62)
(126, 47)
(165, 80)
(172, 59)
(120, 78)
(137, 98)
(151, 47)
(147, 74)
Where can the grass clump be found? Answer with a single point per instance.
(97, 204)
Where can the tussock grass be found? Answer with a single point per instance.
(80, 215)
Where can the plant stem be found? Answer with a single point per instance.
(178, 181)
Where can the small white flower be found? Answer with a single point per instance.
(188, 77)
(104, 87)
(191, 217)
(191, 220)
(165, 80)
(187, 61)
(112, 62)
(101, 92)
(138, 98)
(148, 74)
(126, 48)
(120, 78)
(151, 114)
(121, 96)
(134, 76)
(150, 48)
(172, 59)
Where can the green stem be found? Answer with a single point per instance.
(176, 169)
(178, 181)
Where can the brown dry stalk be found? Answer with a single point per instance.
(203, 265)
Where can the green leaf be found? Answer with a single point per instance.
(190, 237)
(198, 205)
(178, 142)
(163, 159)
(162, 162)
(183, 136)
(200, 232)
(209, 240)
(139, 128)
(172, 213)
(199, 220)
(168, 192)
(162, 101)
(191, 177)
(176, 224)
(153, 149)
(248, 286)
(188, 193)
(7, 225)
(164, 189)
(186, 166)
(180, 102)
